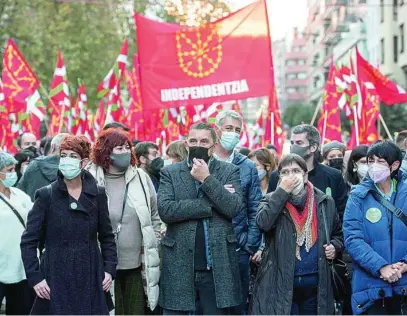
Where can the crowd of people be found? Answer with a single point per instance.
(204, 227)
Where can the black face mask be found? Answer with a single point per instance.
(336, 163)
(155, 166)
(198, 152)
(33, 149)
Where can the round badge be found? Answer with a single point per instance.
(373, 215)
(74, 206)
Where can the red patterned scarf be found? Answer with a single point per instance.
(306, 223)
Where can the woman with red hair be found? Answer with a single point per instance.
(71, 215)
(133, 211)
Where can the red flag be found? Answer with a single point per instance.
(7, 137)
(388, 91)
(135, 117)
(365, 114)
(329, 124)
(115, 74)
(19, 81)
(273, 131)
(60, 103)
(83, 126)
(216, 62)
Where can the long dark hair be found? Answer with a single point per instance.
(357, 153)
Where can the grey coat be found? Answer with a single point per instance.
(181, 209)
(273, 292)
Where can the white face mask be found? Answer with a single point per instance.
(362, 171)
(297, 190)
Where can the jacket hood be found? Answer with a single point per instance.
(48, 166)
(239, 158)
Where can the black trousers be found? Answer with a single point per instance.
(205, 292)
(396, 305)
(19, 298)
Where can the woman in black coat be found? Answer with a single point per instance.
(71, 215)
(294, 277)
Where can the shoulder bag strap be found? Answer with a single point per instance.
(123, 207)
(16, 213)
(395, 210)
(142, 186)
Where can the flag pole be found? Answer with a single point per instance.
(314, 117)
(385, 127)
(272, 128)
(355, 116)
(324, 130)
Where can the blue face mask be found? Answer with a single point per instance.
(10, 180)
(229, 140)
(70, 167)
(262, 173)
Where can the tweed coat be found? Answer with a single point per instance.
(181, 209)
(73, 264)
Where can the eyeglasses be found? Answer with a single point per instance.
(294, 171)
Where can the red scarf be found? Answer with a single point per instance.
(306, 234)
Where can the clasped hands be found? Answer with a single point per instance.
(393, 272)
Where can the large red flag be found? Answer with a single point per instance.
(388, 91)
(224, 60)
(19, 81)
(329, 124)
(7, 137)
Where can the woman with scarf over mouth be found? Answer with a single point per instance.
(294, 276)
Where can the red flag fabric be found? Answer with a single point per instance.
(389, 92)
(273, 130)
(100, 118)
(135, 117)
(60, 103)
(219, 61)
(83, 126)
(19, 81)
(7, 137)
(329, 124)
(115, 74)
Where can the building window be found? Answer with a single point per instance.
(395, 9)
(382, 51)
(301, 62)
(291, 76)
(395, 49)
(291, 90)
(381, 11)
(401, 38)
(302, 75)
(290, 62)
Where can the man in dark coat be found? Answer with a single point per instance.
(73, 264)
(305, 142)
(42, 170)
(198, 199)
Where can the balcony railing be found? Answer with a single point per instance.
(291, 83)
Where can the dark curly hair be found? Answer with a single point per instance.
(106, 141)
(79, 144)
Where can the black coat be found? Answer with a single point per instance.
(73, 264)
(273, 291)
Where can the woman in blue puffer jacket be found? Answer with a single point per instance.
(375, 238)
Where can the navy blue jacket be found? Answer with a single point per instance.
(372, 244)
(247, 233)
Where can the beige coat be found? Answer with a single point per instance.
(149, 221)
